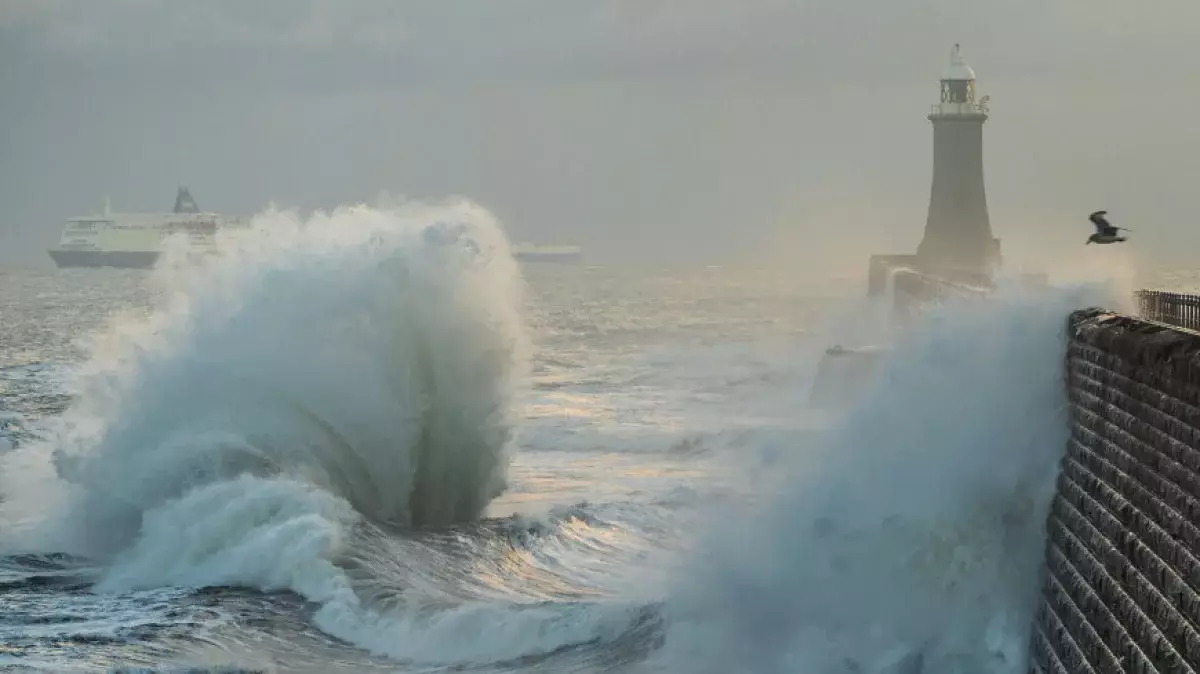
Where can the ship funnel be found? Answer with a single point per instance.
(184, 202)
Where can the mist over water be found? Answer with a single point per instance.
(357, 368)
(908, 538)
(332, 410)
(369, 440)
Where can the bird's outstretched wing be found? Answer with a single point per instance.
(1103, 226)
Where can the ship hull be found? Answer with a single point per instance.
(145, 259)
(530, 256)
(121, 259)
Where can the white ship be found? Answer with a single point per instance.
(136, 240)
(536, 253)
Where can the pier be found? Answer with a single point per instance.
(1121, 588)
(1121, 573)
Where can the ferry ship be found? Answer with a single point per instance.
(536, 253)
(136, 240)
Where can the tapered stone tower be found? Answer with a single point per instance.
(958, 241)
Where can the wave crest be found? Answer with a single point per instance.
(910, 537)
(367, 353)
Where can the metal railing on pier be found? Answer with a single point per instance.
(1178, 309)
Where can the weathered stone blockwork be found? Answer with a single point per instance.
(1121, 590)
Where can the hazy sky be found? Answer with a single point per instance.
(640, 129)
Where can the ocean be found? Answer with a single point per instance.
(371, 441)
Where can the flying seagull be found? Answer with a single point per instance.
(1105, 232)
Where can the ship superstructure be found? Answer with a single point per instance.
(137, 240)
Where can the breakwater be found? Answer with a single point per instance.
(1121, 588)
(1121, 575)
(1178, 309)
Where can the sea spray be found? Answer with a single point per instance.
(370, 353)
(908, 539)
(321, 379)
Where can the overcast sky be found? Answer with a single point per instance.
(640, 129)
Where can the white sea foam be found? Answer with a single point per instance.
(909, 537)
(358, 367)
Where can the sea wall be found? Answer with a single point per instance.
(1121, 588)
(880, 269)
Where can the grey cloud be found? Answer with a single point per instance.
(634, 127)
(405, 43)
(81, 27)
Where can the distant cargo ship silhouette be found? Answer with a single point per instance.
(539, 253)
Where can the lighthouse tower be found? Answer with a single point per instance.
(958, 240)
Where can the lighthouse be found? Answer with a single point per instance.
(958, 241)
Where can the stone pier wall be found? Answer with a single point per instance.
(1121, 588)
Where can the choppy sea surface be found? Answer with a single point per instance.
(374, 442)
